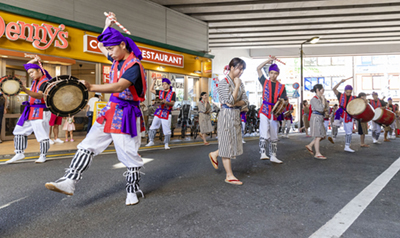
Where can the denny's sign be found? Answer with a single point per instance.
(148, 54)
(42, 36)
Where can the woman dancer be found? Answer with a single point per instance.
(232, 96)
(318, 104)
(204, 117)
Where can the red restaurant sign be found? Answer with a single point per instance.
(149, 55)
(41, 36)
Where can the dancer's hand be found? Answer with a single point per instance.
(109, 22)
(344, 80)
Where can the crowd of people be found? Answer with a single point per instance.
(121, 121)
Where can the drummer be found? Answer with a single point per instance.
(288, 118)
(392, 127)
(344, 99)
(163, 113)
(269, 126)
(362, 127)
(376, 128)
(119, 121)
(36, 115)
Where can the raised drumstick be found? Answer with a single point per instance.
(273, 57)
(116, 22)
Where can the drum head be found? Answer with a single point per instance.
(378, 114)
(356, 107)
(66, 96)
(10, 86)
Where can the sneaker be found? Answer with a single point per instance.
(166, 147)
(151, 143)
(66, 140)
(243, 141)
(41, 159)
(51, 142)
(59, 141)
(348, 149)
(72, 140)
(15, 158)
(264, 156)
(275, 160)
(63, 185)
(131, 199)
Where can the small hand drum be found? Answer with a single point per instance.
(10, 85)
(65, 96)
(157, 102)
(279, 107)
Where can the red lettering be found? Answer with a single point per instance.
(12, 27)
(25, 26)
(62, 37)
(39, 29)
(2, 26)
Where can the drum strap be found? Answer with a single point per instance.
(129, 115)
(25, 114)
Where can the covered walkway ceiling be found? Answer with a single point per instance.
(284, 23)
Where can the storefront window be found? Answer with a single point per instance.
(376, 80)
(395, 82)
(367, 83)
(324, 60)
(177, 82)
(310, 61)
(338, 61)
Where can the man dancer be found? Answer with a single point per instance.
(392, 127)
(269, 126)
(362, 126)
(35, 117)
(344, 99)
(288, 119)
(119, 121)
(163, 113)
(376, 128)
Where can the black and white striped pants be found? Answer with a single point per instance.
(20, 143)
(79, 164)
(132, 176)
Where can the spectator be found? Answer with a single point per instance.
(90, 109)
(3, 110)
(69, 126)
(55, 121)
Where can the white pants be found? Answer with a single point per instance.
(243, 127)
(268, 128)
(286, 124)
(326, 124)
(40, 127)
(166, 124)
(375, 127)
(338, 123)
(348, 127)
(393, 126)
(97, 141)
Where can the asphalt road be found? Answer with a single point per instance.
(186, 197)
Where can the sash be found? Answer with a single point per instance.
(25, 114)
(130, 112)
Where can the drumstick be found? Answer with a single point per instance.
(40, 63)
(116, 22)
(273, 57)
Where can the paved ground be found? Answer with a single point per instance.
(186, 197)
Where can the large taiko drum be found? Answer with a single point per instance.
(279, 107)
(65, 95)
(384, 116)
(360, 110)
(10, 85)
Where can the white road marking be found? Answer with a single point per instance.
(349, 213)
(121, 165)
(8, 204)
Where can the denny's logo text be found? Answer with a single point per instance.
(41, 36)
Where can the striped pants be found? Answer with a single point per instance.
(97, 141)
(132, 176)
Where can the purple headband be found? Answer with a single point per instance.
(167, 81)
(111, 37)
(375, 93)
(389, 99)
(35, 66)
(348, 87)
(274, 67)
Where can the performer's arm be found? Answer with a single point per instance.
(38, 95)
(108, 23)
(109, 88)
(5, 104)
(259, 68)
(172, 103)
(334, 89)
(153, 84)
